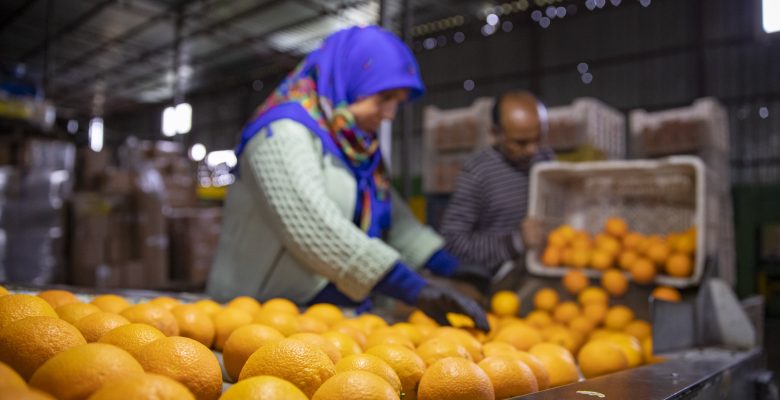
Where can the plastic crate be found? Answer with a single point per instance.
(588, 122)
(653, 196)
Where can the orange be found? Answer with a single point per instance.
(194, 323)
(208, 306)
(632, 240)
(371, 322)
(418, 317)
(78, 372)
(618, 317)
(345, 343)
(685, 244)
(263, 387)
(595, 312)
(24, 394)
(539, 319)
(9, 379)
(505, 303)
(647, 352)
(643, 271)
(539, 370)
(574, 281)
(14, 307)
(319, 342)
(94, 326)
(142, 387)
(679, 265)
(4, 291)
(601, 259)
(132, 337)
(580, 258)
(284, 322)
(510, 376)
(154, 315)
(556, 239)
(407, 365)
(356, 385)
(311, 324)
(247, 304)
(327, 313)
(582, 324)
(410, 331)
(57, 298)
(110, 303)
(438, 348)
(519, 336)
(666, 293)
(165, 302)
(614, 282)
(558, 362)
(566, 338)
(552, 256)
(566, 311)
(600, 333)
(75, 311)
(658, 252)
(472, 345)
(454, 378)
(545, 299)
(616, 227)
(608, 244)
(187, 361)
(630, 347)
(498, 349)
(226, 321)
(581, 241)
(601, 357)
(352, 329)
(388, 336)
(242, 343)
(300, 363)
(281, 305)
(565, 256)
(639, 329)
(627, 258)
(373, 364)
(28, 343)
(593, 294)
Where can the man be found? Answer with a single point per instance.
(485, 221)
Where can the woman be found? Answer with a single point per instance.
(311, 216)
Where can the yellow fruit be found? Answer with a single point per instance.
(552, 256)
(284, 322)
(14, 307)
(510, 376)
(154, 315)
(600, 333)
(643, 271)
(371, 322)
(472, 345)
(302, 364)
(454, 378)
(580, 258)
(519, 336)
(73, 312)
(582, 324)
(627, 258)
(505, 303)
(312, 325)
(78, 372)
(346, 344)
(685, 244)
(630, 347)
(556, 239)
(601, 357)
(418, 317)
(658, 252)
(165, 302)
(558, 362)
(537, 367)
(242, 343)
(595, 312)
(564, 256)
(498, 349)
(9, 379)
(616, 227)
(438, 348)
(187, 361)
(639, 329)
(247, 304)
(608, 245)
(666, 293)
(601, 260)
(4, 291)
(57, 298)
(566, 311)
(582, 241)
(614, 282)
(356, 385)
(545, 299)
(593, 294)
(194, 323)
(325, 312)
(632, 240)
(226, 321)
(388, 336)
(647, 352)
(143, 387)
(132, 337)
(28, 343)
(319, 342)
(24, 394)
(281, 305)
(349, 328)
(208, 306)
(618, 317)
(410, 331)
(94, 326)
(407, 365)
(373, 364)
(539, 319)
(679, 265)
(110, 303)
(574, 281)
(263, 387)
(567, 339)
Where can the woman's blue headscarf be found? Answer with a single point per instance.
(350, 65)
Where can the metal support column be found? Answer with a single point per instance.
(407, 113)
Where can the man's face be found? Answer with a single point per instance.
(519, 133)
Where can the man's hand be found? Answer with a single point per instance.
(532, 232)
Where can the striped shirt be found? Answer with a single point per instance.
(482, 221)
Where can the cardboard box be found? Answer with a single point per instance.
(153, 242)
(194, 240)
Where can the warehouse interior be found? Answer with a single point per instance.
(119, 120)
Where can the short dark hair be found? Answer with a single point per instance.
(496, 111)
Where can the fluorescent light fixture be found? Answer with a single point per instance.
(183, 118)
(771, 15)
(96, 134)
(197, 152)
(218, 157)
(169, 122)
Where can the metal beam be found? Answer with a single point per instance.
(15, 14)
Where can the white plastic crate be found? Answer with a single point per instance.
(653, 196)
(588, 121)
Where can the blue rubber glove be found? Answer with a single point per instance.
(401, 283)
(442, 263)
